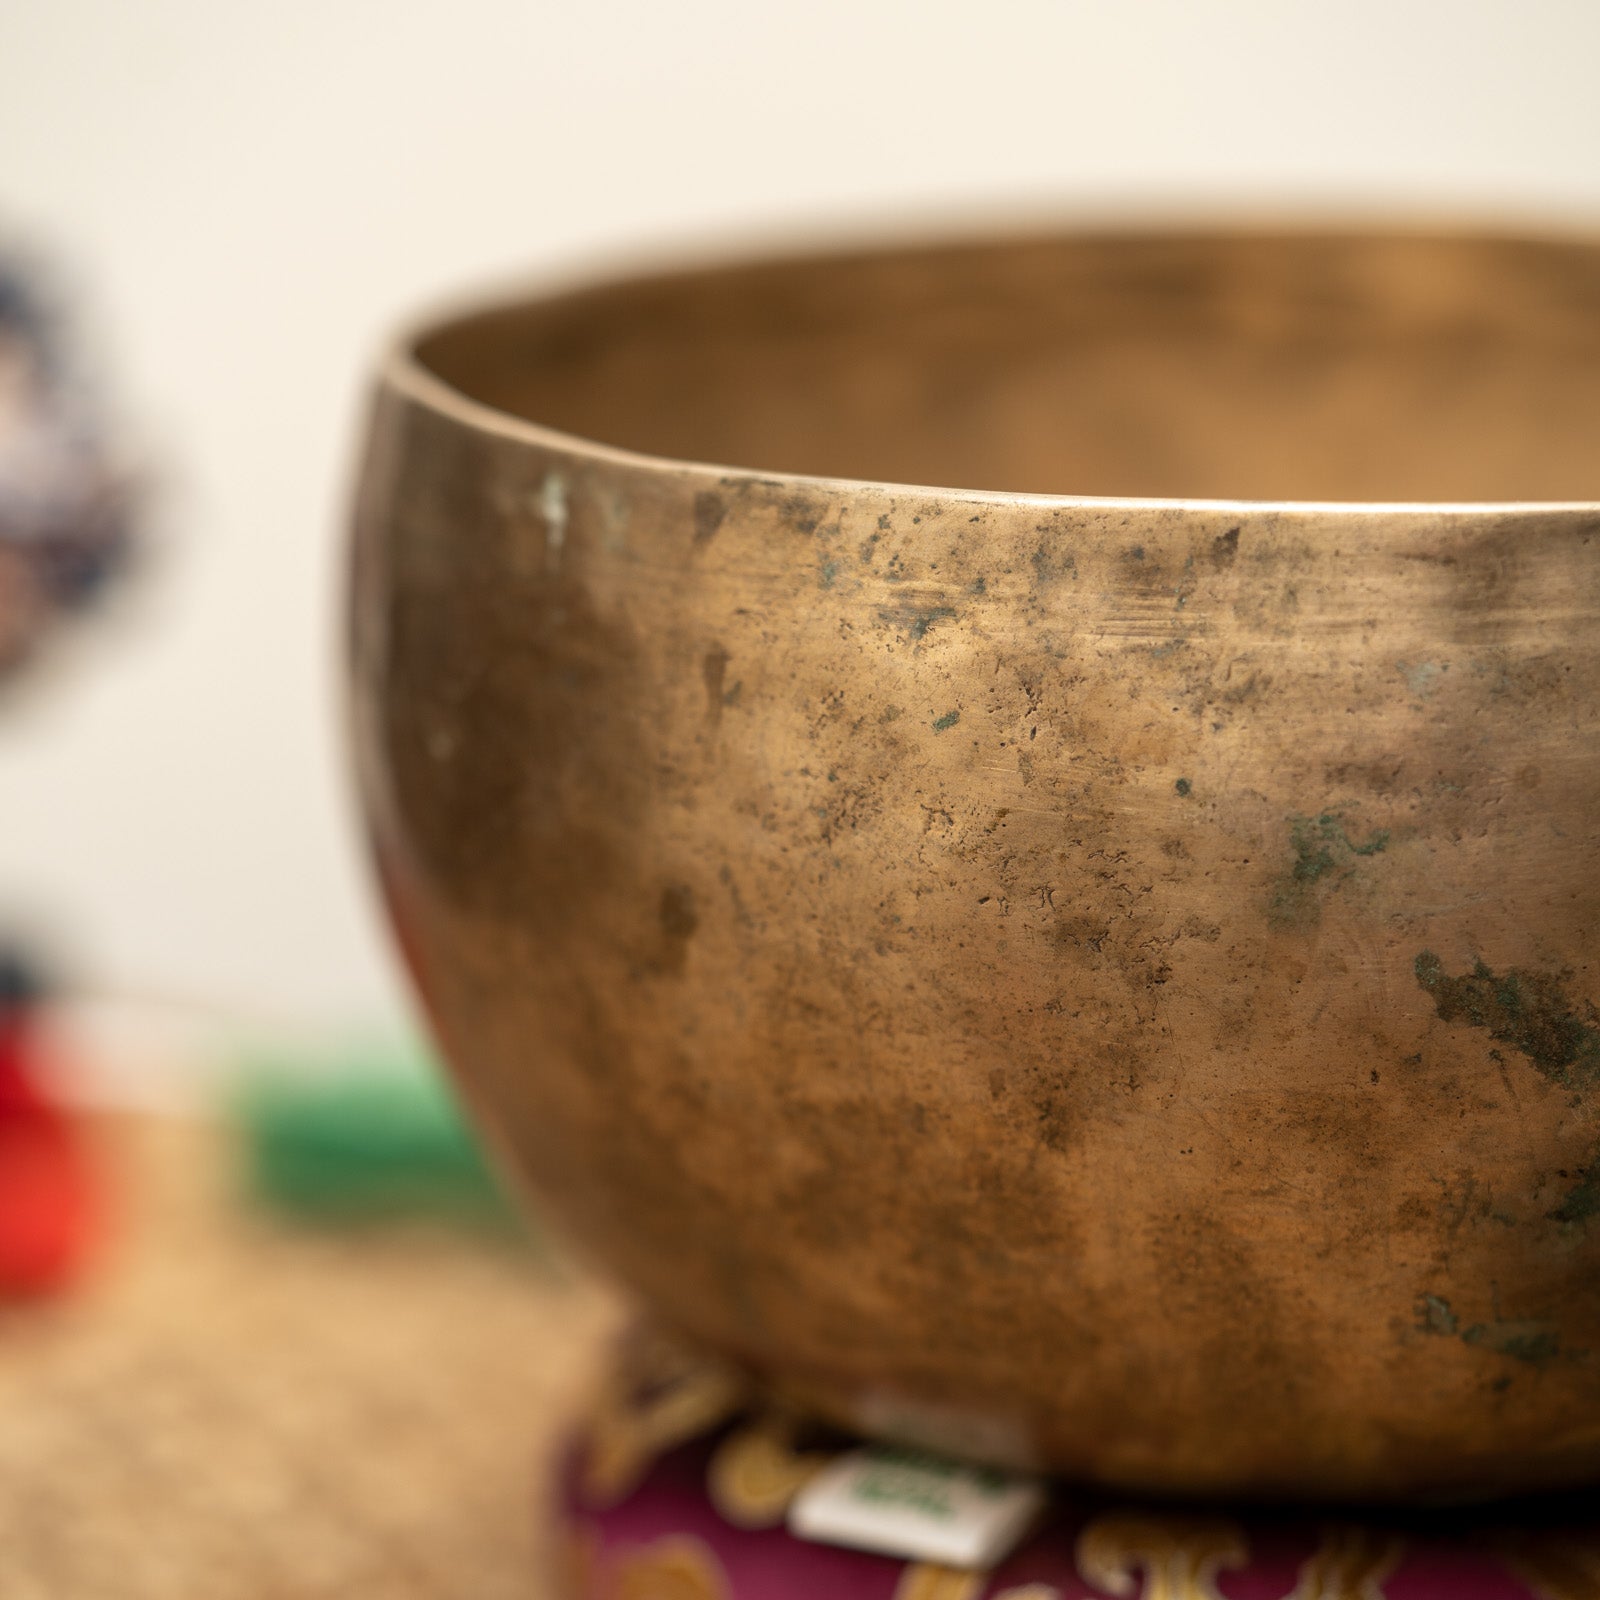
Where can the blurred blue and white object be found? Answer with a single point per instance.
(65, 500)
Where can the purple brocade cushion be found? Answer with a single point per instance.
(679, 1489)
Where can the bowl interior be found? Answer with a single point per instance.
(1282, 367)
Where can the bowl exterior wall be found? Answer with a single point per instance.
(1091, 984)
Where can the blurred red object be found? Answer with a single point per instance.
(47, 1202)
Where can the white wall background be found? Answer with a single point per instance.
(252, 192)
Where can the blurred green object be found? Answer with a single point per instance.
(353, 1139)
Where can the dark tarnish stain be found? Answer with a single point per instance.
(1583, 1198)
(1224, 548)
(1184, 787)
(678, 919)
(1048, 567)
(714, 669)
(709, 511)
(948, 720)
(1081, 933)
(826, 573)
(802, 513)
(1521, 1339)
(1322, 849)
(915, 621)
(1526, 1010)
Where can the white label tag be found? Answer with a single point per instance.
(923, 1507)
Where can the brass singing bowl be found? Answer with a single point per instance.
(1093, 967)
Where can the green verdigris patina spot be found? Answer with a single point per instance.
(1322, 849)
(1526, 1010)
(1522, 1339)
(913, 620)
(1321, 843)
(1583, 1198)
(1435, 1316)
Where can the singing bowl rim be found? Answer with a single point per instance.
(403, 371)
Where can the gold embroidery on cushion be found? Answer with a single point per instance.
(657, 1398)
(1350, 1564)
(1179, 1556)
(757, 1471)
(926, 1580)
(674, 1568)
